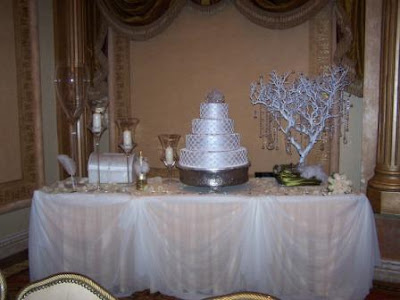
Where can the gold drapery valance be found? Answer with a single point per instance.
(137, 12)
(140, 19)
(279, 14)
(280, 5)
(143, 19)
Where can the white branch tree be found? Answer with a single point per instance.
(302, 109)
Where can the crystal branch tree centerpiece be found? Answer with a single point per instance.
(304, 109)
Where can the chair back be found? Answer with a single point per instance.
(65, 286)
(3, 287)
(243, 296)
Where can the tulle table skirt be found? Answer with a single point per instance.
(194, 246)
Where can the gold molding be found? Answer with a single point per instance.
(119, 83)
(29, 109)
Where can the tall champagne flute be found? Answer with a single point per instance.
(127, 127)
(71, 82)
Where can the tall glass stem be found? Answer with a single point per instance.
(97, 149)
(127, 167)
(169, 169)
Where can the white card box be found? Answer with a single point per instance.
(113, 168)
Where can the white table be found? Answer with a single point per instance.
(193, 245)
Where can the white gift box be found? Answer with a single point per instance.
(113, 168)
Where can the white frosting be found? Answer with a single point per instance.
(212, 126)
(213, 160)
(211, 142)
(213, 111)
(213, 145)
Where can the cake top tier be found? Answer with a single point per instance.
(215, 96)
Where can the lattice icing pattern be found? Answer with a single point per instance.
(212, 126)
(213, 144)
(213, 111)
(210, 142)
(213, 160)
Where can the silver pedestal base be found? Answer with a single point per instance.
(214, 178)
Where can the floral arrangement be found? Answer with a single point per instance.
(339, 184)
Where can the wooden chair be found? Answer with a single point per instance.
(3, 287)
(65, 286)
(243, 296)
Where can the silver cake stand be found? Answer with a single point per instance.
(214, 178)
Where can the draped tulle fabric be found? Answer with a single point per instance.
(195, 246)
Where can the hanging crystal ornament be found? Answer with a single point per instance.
(271, 132)
(347, 119)
(255, 113)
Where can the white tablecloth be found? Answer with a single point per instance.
(196, 245)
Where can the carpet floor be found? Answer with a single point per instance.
(17, 277)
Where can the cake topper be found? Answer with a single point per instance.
(215, 96)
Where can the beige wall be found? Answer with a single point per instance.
(350, 153)
(172, 72)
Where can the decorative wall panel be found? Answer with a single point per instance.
(26, 168)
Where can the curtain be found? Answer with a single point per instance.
(137, 12)
(279, 5)
(350, 39)
(143, 19)
(140, 19)
(276, 14)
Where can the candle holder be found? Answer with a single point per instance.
(97, 128)
(169, 154)
(141, 169)
(127, 127)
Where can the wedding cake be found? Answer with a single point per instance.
(213, 146)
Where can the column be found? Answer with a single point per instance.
(384, 188)
(71, 48)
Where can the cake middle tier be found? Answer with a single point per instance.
(213, 160)
(212, 126)
(213, 142)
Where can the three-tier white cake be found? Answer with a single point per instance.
(213, 146)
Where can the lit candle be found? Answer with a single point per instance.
(127, 139)
(96, 122)
(169, 155)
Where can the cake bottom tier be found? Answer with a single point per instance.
(214, 179)
(213, 160)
